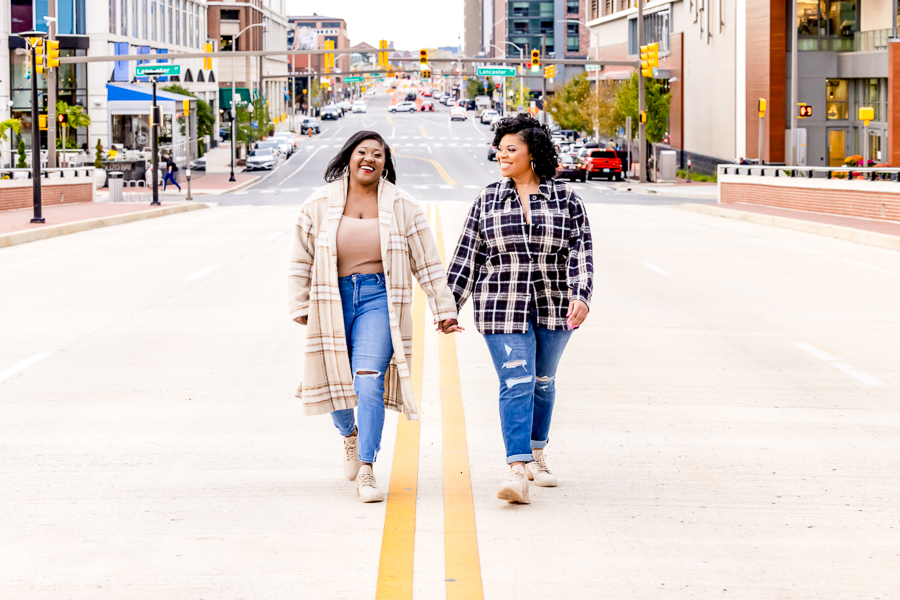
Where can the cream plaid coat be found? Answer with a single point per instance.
(407, 248)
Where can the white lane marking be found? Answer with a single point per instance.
(393, 132)
(25, 364)
(848, 369)
(241, 193)
(437, 144)
(425, 144)
(472, 187)
(338, 145)
(859, 264)
(202, 272)
(430, 151)
(115, 239)
(309, 158)
(291, 189)
(446, 187)
(655, 268)
(421, 187)
(266, 191)
(815, 352)
(274, 235)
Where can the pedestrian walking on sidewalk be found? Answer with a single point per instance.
(171, 169)
(525, 256)
(357, 244)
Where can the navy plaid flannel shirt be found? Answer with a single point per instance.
(500, 264)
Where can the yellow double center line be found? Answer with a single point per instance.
(462, 564)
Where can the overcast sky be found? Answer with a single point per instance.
(411, 24)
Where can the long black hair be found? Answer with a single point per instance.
(538, 139)
(341, 161)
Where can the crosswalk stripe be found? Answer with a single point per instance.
(473, 187)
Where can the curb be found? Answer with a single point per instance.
(43, 233)
(665, 192)
(859, 236)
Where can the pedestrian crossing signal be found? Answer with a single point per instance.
(805, 110)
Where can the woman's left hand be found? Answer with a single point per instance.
(449, 326)
(578, 312)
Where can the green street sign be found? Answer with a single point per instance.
(354, 79)
(158, 70)
(496, 71)
(592, 68)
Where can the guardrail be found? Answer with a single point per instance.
(46, 173)
(860, 173)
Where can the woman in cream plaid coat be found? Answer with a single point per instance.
(357, 243)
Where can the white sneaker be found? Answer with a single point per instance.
(515, 489)
(366, 488)
(538, 470)
(351, 456)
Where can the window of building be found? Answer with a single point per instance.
(70, 17)
(869, 95)
(656, 30)
(123, 17)
(226, 43)
(827, 24)
(837, 105)
(134, 18)
(153, 20)
(22, 16)
(572, 6)
(171, 32)
(546, 27)
(519, 9)
(231, 15)
(331, 25)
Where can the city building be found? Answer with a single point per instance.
(249, 25)
(311, 33)
(473, 26)
(105, 28)
(719, 58)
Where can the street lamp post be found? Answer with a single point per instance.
(32, 38)
(233, 103)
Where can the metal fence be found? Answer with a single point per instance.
(859, 173)
(48, 173)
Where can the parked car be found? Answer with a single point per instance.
(458, 112)
(330, 113)
(359, 107)
(492, 152)
(410, 97)
(494, 120)
(470, 104)
(285, 147)
(403, 107)
(309, 123)
(269, 145)
(261, 159)
(289, 137)
(570, 169)
(198, 164)
(345, 105)
(427, 105)
(604, 163)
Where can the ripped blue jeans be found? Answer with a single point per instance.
(368, 330)
(526, 365)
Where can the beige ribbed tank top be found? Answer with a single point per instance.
(358, 247)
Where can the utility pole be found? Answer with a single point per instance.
(543, 81)
(51, 93)
(33, 38)
(156, 117)
(794, 60)
(642, 149)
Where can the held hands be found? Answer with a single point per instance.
(578, 312)
(449, 326)
(301, 320)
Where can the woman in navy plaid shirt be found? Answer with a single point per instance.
(528, 266)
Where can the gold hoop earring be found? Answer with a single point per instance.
(384, 174)
(532, 167)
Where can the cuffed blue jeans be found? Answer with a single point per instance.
(368, 330)
(526, 365)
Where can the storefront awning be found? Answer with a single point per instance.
(131, 92)
(243, 95)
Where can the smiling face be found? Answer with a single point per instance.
(514, 156)
(367, 162)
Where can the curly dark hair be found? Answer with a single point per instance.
(536, 137)
(341, 161)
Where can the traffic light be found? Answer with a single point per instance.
(186, 105)
(649, 59)
(52, 54)
(805, 110)
(866, 114)
(643, 116)
(329, 58)
(383, 56)
(761, 107)
(63, 118)
(207, 61)
(497, 86)
(38, 55)
(535, 60)
(423, 56)
(42, 122)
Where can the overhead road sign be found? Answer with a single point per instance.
(592, 68)
(157, 70)
(352, 79)
(496, 71)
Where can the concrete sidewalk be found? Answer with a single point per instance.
(62, 219)
(882, 234)
(682, 189)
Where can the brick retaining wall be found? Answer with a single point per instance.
(833, 197)
(21, 196)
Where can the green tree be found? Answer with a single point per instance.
(566, 105)
(474, 87)
(98, 156)
(657, 102)
(206, 120)
(600, 109)
(75, 117)
(21, 164)
(13, 124)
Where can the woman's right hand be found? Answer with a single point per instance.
(301, 320)
(449, 326)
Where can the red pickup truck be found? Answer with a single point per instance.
(604, 163)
